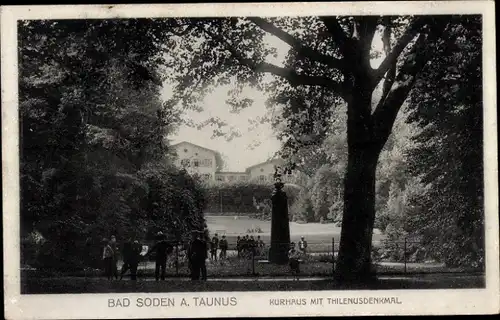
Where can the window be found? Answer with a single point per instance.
(262, 178)
(196, 163)
(261, 169)
(207, 162)
(243, 178)
(185, 162)
(220, 178)
(230, 178)
(185, 150)
(207, 176)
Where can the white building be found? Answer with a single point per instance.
(196, 159)
(202, 161)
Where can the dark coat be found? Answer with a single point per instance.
(131, 251)
(198, 251)
(162, 248)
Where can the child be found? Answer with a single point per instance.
(293, 257)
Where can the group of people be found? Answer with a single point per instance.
(295, 255)
(248, 246)
(196, 254)
(132, 254)
(131, 257)
(215, 245)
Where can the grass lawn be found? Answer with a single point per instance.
(318, 235)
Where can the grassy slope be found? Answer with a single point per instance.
(319, 236)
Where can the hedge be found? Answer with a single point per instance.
(243, 197)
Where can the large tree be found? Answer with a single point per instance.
(329, 64)
(93, 155)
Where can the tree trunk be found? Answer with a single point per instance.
(354, 258)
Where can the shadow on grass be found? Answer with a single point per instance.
(99, 285)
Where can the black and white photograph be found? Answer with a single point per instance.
(251, 153)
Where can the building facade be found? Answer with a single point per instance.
(202, 161)
(196, 159)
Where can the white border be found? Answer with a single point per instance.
(415, 302)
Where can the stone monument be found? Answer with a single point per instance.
(280, 227)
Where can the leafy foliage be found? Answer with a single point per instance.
(302, 210)
(94, 161)
(430, 184)
(449, 156)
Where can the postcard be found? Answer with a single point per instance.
(249, 160)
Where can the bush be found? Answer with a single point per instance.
(302, 210)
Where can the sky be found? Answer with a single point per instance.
(255, 145)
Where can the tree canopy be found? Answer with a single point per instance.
(94, 161)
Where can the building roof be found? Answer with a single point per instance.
(194, 145)
(280, 161)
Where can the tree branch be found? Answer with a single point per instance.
(391, 59)
(385, 114)
(339, 36)
(391, 74)
(296, 44)
(292, 76)
(367, 26)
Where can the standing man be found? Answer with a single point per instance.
(260, 246)
(252, 245)
(238, 246)
(203, 254)
(197, 256)
(131, 256)
(223, 247)
(214, 244)
(244, 246)
(303, 245)
(161, 249)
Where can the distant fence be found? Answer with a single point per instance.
(319, 259)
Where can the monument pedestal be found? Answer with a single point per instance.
(280, 227)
